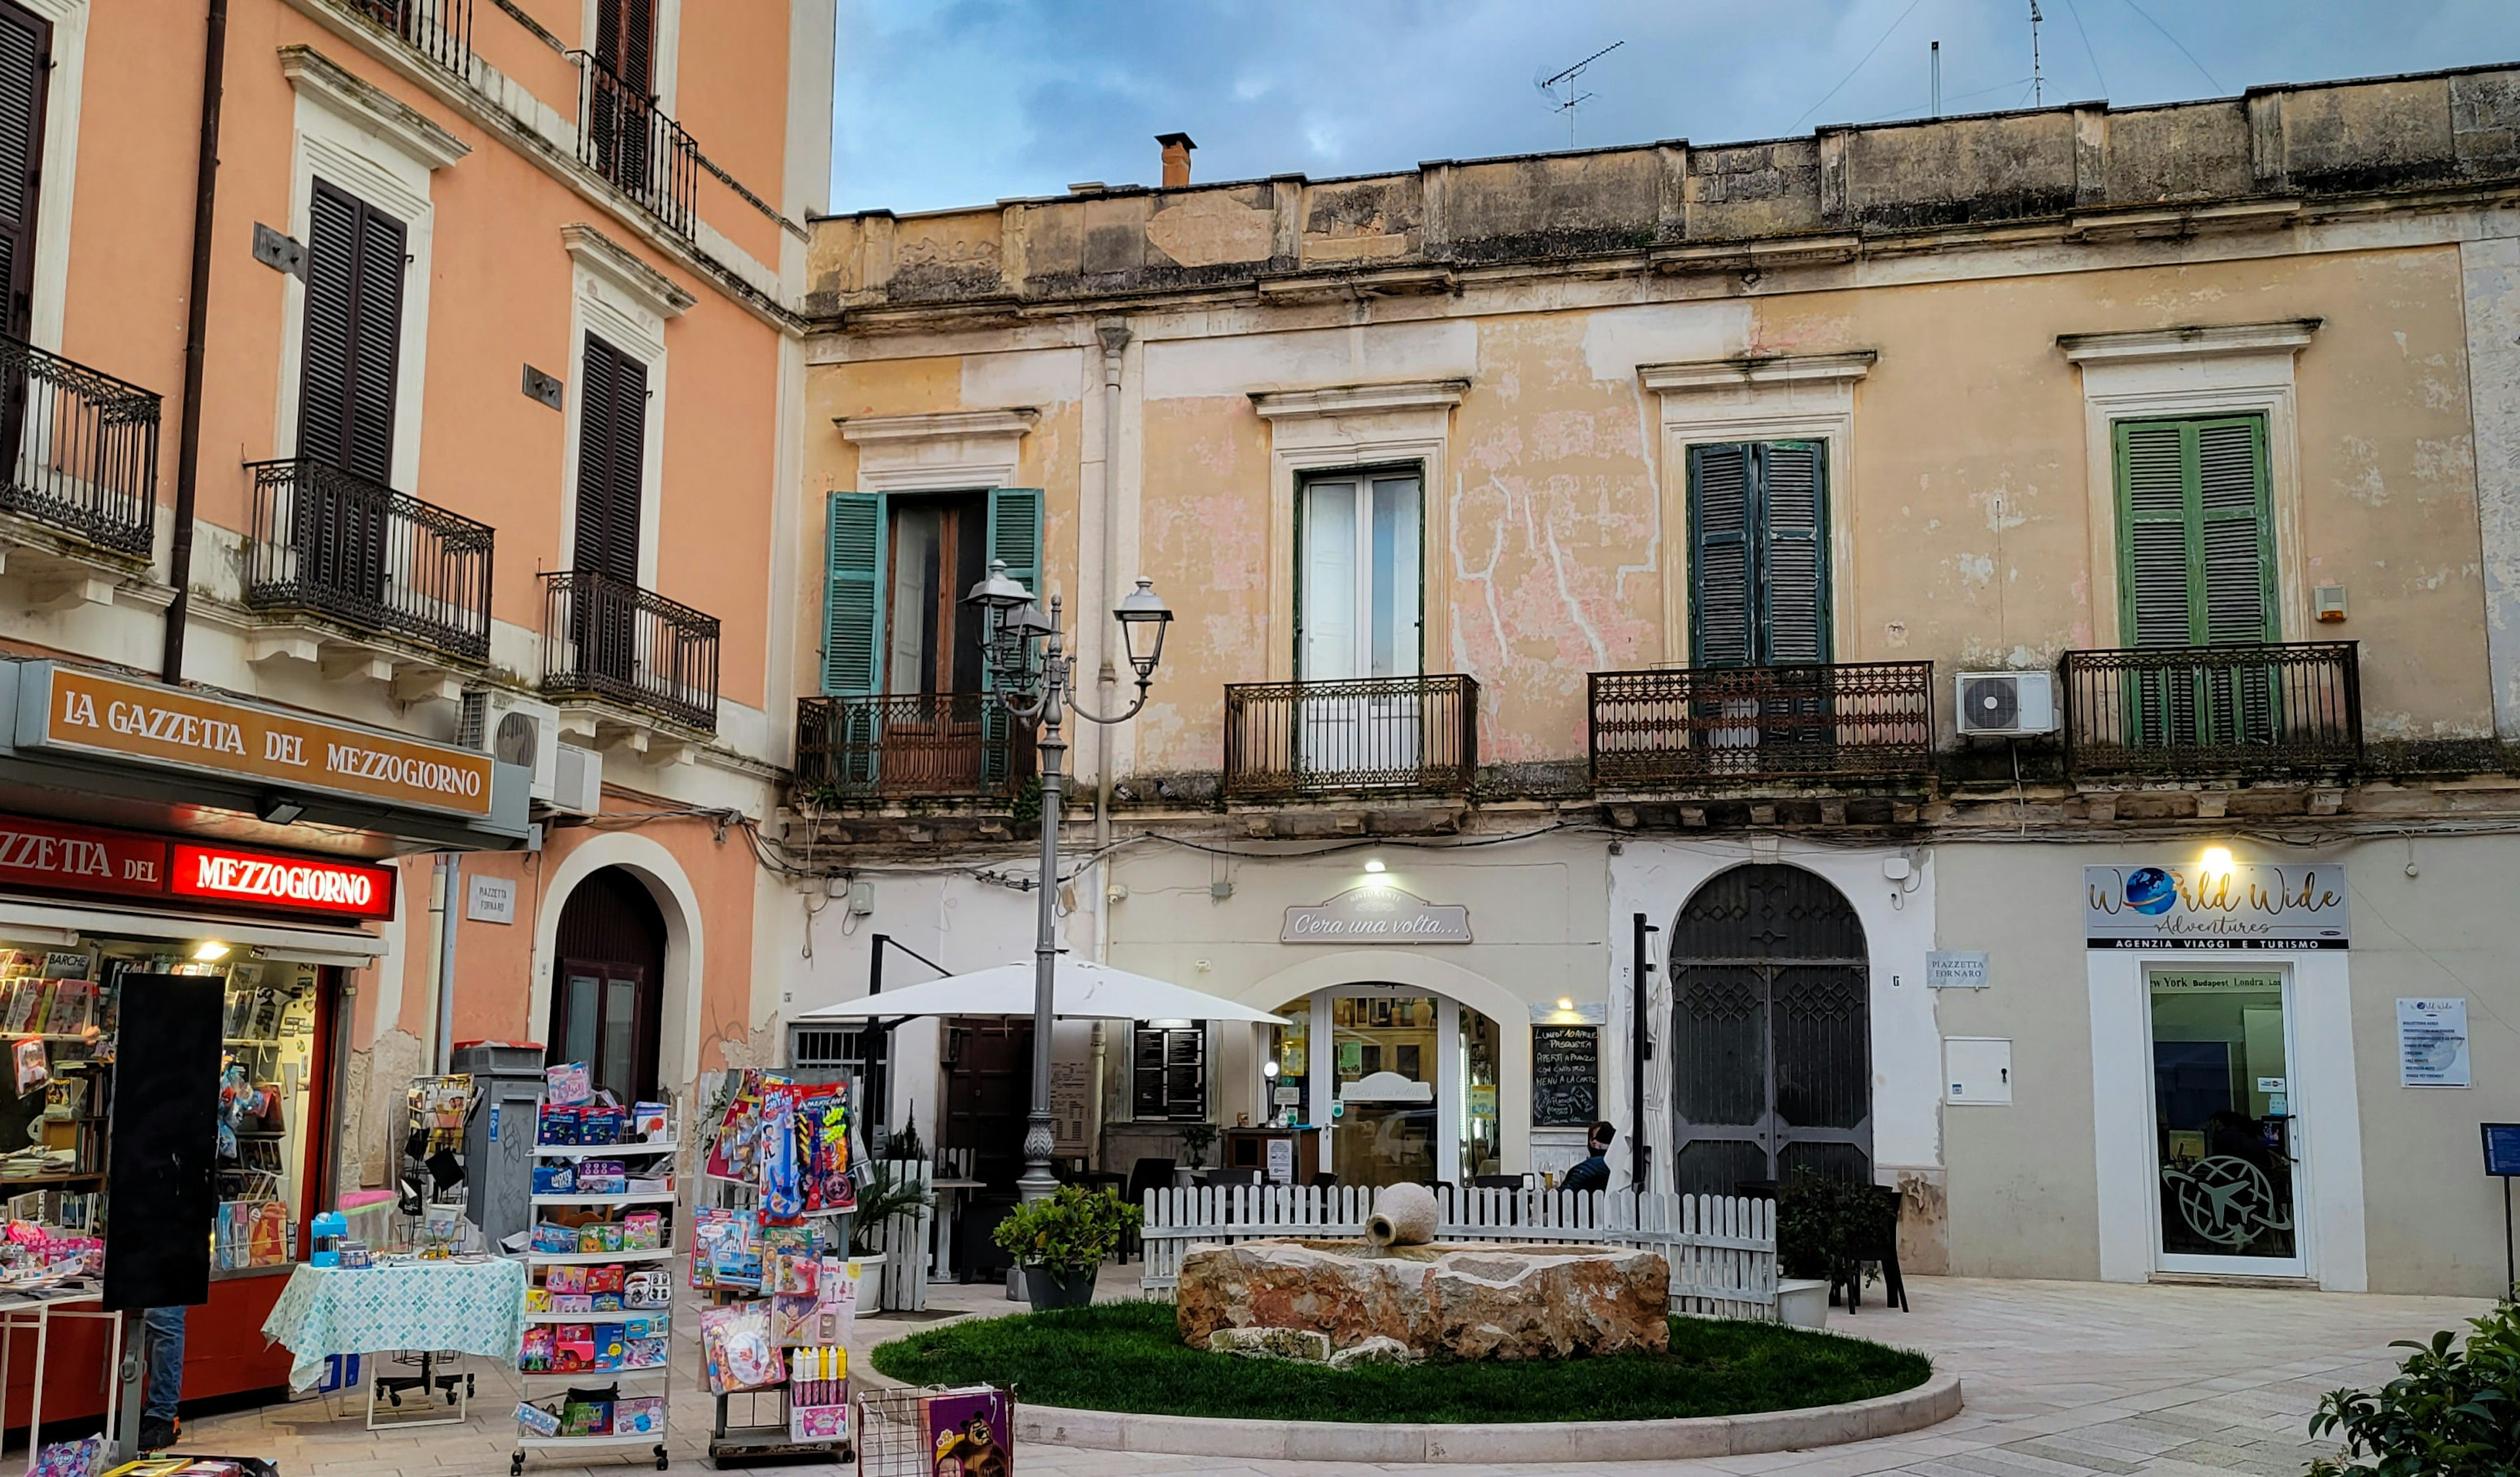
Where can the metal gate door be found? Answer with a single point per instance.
(1770, 1043)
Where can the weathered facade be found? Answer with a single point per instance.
(1599, 540)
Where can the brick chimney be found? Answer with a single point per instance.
(1177, 147)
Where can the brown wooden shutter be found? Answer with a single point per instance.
(625, 41)
(26, 61)
(353, 341)
(612, 457)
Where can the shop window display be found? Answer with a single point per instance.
(59, 1009)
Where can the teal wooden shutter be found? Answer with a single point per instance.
(1720, 590)
(1015, 536)
(1792, 563)
(853, 596)
(2194, 560)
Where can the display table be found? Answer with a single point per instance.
(469, 1307)
(33, 1312)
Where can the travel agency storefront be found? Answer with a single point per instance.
(1443, 1009)
(149, 833)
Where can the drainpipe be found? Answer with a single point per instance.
(1640, 1050)
(450, 911)
(196, 328)
(1106, 680)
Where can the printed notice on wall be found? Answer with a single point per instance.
(2432, 1044)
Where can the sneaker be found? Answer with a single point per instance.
(156, 1434)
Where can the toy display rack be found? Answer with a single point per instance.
(763, 1434)
(655, 1380)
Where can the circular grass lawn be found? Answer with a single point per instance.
(1128, 1357)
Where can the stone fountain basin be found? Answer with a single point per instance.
(1458, 1300)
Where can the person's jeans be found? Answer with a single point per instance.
(165, 1331)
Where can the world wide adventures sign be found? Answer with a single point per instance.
(2248, 906)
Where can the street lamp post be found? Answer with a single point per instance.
(1032, 677)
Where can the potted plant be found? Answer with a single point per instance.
(1825, 1227)
(884, 1193)
(1061, 1239)
(1197, 1138)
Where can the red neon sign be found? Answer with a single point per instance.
(262, 880)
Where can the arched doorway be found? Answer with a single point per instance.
(607, 1004)
(1772, 1040)
(1404, 1078)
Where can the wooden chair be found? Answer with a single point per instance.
(1882, 1247)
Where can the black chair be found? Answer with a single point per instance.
(978, 1256)
(1222, 1178)
(1495, 1181)
(1143, 1176)
(1325, 1180)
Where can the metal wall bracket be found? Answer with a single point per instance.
(281, 254)
(542, 387)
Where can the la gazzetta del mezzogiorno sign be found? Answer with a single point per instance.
(53, 857)
(1376, 915)
(144, 722)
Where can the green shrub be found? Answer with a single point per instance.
(1071, 1229)
(2453, 1410)
(1821, 1223)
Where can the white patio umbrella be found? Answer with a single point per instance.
(1083, 989)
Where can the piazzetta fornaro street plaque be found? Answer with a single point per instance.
(1376, 915)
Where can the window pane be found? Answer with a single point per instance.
(620, 1027)
(579, 1040)
(1395, 577)
(971, 565)
(910, 663)
(1329, 649)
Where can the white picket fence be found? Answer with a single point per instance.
(901, 1242)
(1722, 1249)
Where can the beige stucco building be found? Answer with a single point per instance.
(1906, 587)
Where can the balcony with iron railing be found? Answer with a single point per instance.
(329, 544)
(1366, 735)
(83, 450)
(441, 30)
(941, 746)
(1695, 726)
(607, 640)
(2272, 709)
(646, 156)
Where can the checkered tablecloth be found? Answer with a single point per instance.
(471, 1307)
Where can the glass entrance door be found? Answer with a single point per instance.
(2223, 1106)
(1385, 1055)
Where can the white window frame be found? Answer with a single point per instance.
(1793, 398)
(626, 303)
(358, 138)
(49, 298)
(2172, 374)
(1361, 425)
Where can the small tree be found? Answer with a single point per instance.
(1824, 1226)
(2453, 1410)
(1197, 1138)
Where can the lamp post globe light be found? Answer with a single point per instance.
(1032, 677)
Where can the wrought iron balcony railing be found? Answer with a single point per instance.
(2277, 708)
(441, 30)
(1294, 738)
(328, 543)
(607, 638)
(1855, 720)
(83, 450)
(640, 150)
(921, 746)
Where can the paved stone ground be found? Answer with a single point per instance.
(2062, 1379)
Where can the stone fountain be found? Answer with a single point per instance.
(1396, 1296)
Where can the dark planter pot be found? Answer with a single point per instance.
(1059, 1286)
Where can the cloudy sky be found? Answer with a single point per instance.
(964, 102)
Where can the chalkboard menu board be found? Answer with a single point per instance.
(1566, 1075)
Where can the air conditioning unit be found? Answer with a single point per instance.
(2006, 702)
(580, 789)
(514, 730)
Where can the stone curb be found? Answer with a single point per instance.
(1937, 1399)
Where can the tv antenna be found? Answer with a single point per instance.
(1571, 99)
(2038, 88)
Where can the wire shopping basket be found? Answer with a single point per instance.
(937, 1431)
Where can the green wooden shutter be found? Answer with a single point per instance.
(1719, 589)
(1015, 536)
(853, 596)
(2194, 561)
(1792, 561)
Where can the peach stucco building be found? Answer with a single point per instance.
(488, 453)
